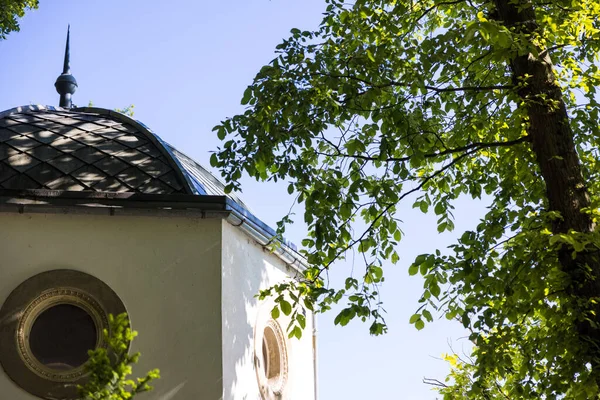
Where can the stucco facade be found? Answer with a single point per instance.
(247, 268)
(166, 271)
(188, 284)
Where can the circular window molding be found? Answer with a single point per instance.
(271, 359)
(47, 325)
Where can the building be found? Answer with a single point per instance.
(101, 216)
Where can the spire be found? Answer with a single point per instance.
(67, 64)
(66, 84)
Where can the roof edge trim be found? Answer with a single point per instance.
(265, 235)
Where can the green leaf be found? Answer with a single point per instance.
(370, 55)
(413, 269)
(414, 318)
(301, 321)
(440, 208)
(214, 162)
(247, 95)
(427, 316)
(286, 307)
(435, 289)
(419, 324)
(275, 312)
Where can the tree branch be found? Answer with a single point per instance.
(469, 88)
(472, 146)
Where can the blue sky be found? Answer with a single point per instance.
(184, 65)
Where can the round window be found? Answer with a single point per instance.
(271, 361)
(271, 357)
(46, 330)
(61, 337)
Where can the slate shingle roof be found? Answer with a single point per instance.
(93, 149)
(44, 148)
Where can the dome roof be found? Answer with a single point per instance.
(94, 149)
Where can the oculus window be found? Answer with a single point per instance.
(271, 360)
(61, 337)
(47, 326)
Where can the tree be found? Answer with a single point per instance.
(110, 367)
(10, 12)
(425, 101)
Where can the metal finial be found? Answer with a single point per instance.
(66, 84)
(67, 64)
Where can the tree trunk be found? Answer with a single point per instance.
(552, 142)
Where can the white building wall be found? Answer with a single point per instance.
(247, 268)
(167, 271)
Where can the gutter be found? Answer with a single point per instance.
(265, 236)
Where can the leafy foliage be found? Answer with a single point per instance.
(391, 101)
(125, 110)
(10, 12)
(110, 367)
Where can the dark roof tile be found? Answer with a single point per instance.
(66, 163)
(132, 156)
(109, 133)
(43, 173)
(111, 165)
(63, 129)
(23, 143)
(45, 124)
(111, 185)
(88, 139)
(7, 151)
(44, 136)
(66, 145)
(105, 122)
(89, 154)
(172, 180)
(6, 172)
(72, 132)
(154, 167)
(156, 187)
(65, 183)
(110, 147)
(20, 182)
(6, 134)
(89, 175)
(44, 152)
(25, 118)
(150, 149)
(23, 128)
(133, 177)
(89, 127)
(125, 128)
(131, 141)
(67, 120)
(6, 122)
(21, 162)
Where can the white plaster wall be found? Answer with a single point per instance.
(247, 268)
(167, 271)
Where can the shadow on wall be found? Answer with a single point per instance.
(247, 268)
(168, 394)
